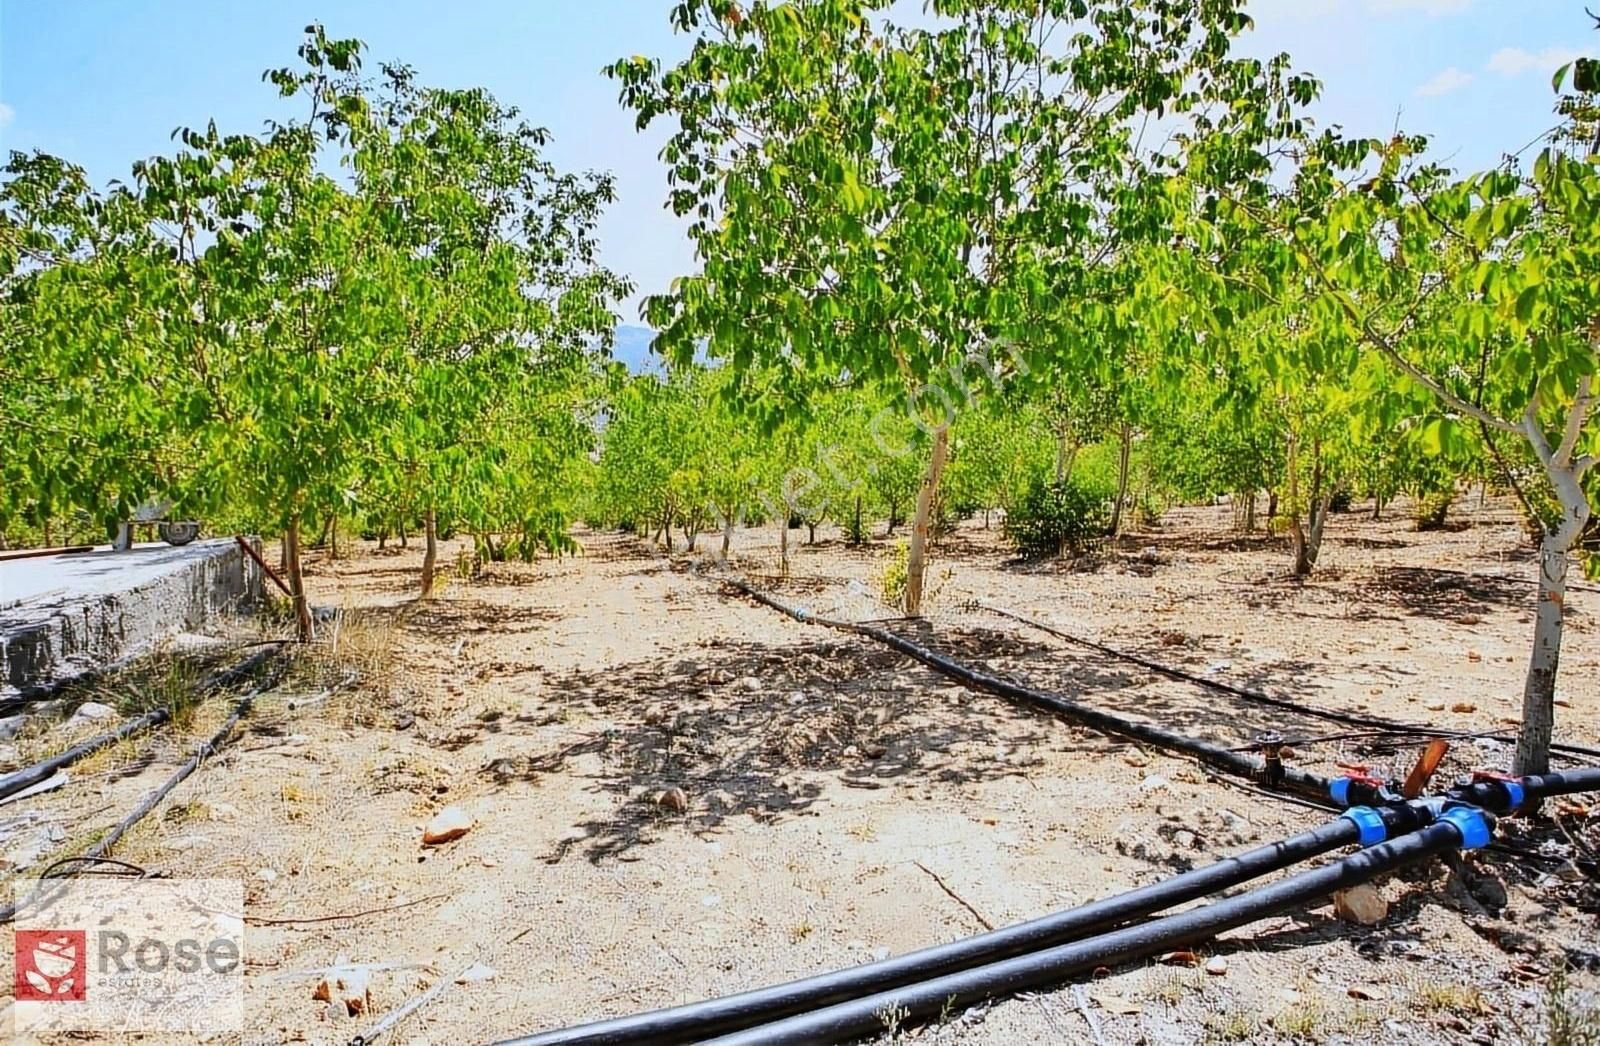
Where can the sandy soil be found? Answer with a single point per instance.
(844, 803)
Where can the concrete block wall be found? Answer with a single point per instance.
(115, 606)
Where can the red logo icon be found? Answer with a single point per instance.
(52, 965)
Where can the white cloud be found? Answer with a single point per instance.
(1451, 79)
(1431, 8)
(1306, 10)
(1514, 61)
(7, 114)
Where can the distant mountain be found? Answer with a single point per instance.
(632, 349)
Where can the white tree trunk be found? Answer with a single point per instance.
(917, 560)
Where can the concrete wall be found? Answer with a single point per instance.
(109, 607)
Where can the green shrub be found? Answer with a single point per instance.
(1057, 518)
(1431, 509)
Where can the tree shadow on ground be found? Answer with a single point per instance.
(473, 616)
(1444, 595)
(748, 729)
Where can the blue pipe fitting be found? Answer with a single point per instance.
(1339, 790)
(1516, 795)
(1370, 821)
(1472, 825)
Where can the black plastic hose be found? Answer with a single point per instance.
(1223, 758)
(941, 995)
(1257, 697)
(43, 770)
(696, 1021)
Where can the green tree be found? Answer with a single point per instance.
(878, 203)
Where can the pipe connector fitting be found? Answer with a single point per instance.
(1370, 822)
(1474, 825)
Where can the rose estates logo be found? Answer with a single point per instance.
(155, 955)
(52, 965)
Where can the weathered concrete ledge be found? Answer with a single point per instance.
(64, 616)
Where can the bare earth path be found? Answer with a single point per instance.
(842, 803)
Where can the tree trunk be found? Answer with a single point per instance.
(383, 539)
(857, 534)
(333, 538)
(405, 542)
(811, 533)
(430, 557)
(283, 554)
(297, 581)
(1122, 479)
(1377, 507)
(1539, 688)
(783, 541)
(986, 517)
(1272, 506)
(727, 535)
(1249, 511)
(917, 559)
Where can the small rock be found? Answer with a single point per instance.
(1216, 966)
(1368, 992)
(880, 953)
(1463, 707)
(1136, 758)
(875, 751)
(450, 823)
(1361, 904)
(1185, 838)
(1473, 655)
(477, 972)
(404, 721)
(345, 988)
(489, 862)
(11, 726)
(673, 800)
(711, 900)
(1436, 706)
(91, 712)
(266, 875)
(56, 834)
(749, 684)
(1154, 783)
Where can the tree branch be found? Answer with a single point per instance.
(1577, 417)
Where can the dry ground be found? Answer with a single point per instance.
(844, 803)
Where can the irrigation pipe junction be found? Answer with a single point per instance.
(1393, 831)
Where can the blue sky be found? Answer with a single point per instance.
(104, 82)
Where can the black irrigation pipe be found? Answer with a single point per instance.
(1297, 781)
(696, 1021)
(201, 753)
(940, 996)
(43, 770)
(1351, 718)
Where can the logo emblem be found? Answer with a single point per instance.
(52, 965)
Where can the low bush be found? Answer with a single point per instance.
(1057, 518)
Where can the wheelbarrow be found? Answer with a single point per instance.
(172, 531)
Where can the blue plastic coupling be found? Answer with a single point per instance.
(1472, 825)
(1370, 821)
(1516, 795)
(1339, 790)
